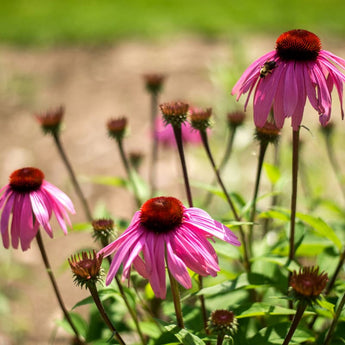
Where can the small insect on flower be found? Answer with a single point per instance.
(267, 68)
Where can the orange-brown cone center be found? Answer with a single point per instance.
(299, 45)
(26, 179)
(161, 214)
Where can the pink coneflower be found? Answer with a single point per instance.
(164, 229)
(283, 79)
(165, 134)
(31, 200)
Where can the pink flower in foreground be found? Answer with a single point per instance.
(165, 134)
(165, 230)
(283, 79)
(31, 200)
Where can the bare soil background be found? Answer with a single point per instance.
(94, 84)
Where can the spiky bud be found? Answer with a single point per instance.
(222, 322)
(117, 128)
(154, 82)
(200, 118)
(51, 120)
(174, 113)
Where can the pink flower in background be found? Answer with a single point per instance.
(31, 200)
(165, 134)
(165, 230)
(283, 79)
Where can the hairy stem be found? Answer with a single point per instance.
(55, 287)
(177, 301)
(73, 177)
(94, 293)
(154, 148)
(297, 318)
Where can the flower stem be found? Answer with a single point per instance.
(263, 148)
(222, 164)
(203, 135)
(178, 138)
(154, 148)
(73, 177)
(203, 305)
(94, 293)
(297, 318)
(55, 287)
(220, 339)
(295, 144)
(335, 321)
(129, 172)
(177, 301)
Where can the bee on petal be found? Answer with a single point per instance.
(267, 68)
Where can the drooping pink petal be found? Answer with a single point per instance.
(132, 254)
(177, 267)
(41, 208)
(5, 220)
(16, 214)
(27, 231)
(301, 100)
(291, 95)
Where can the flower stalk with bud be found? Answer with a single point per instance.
(51, 124)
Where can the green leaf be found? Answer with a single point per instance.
(283, 215)
(265, 309)
(81, 227)
(327, 306)
(103, 294)
(184, 336)
(276, 334)
(272, 172)
(244, 281)
(321, 227)
(109, 181)
(79, 323)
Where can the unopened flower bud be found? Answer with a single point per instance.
(307, 284)
(103, 230)
(236, 119)
(154, 82)
(200, 118)
(174, 113)
(222, 322)
(51, 120)
(117, 128)
(269, 133)
(86, 268)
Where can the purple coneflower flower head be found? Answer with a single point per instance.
(31, 200)
(283, 79)
(165, 230)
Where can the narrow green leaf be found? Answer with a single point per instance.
(78, 322)
(272, 172)
(109, 181)
(244, 281)
(321, 227)
(276, 214)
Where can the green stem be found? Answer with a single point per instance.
(220, 339)
(73, 177)
(94, 293)
(177, 301)
(295, 144)
(335, 321)
(55, 287)
(297, 318)
(154, 153)
(178, 138)
(335, 274)
(203, 305)
(203, 135)
(128, 172)
(263, 148)
(222, 164)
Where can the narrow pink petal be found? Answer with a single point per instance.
(121, 254)
(41, 208)
(16, 214)
(210, 226)
(334, 58)
(5, 219)
(310, 86)
(177, 268)
(140, 267)
(132, 254)
(156, 248)
(290, 89)
(264, 95)
(195, 251)
(59, 196)
(4, 196)
(301, 97)
(252, 71)
(27, 231)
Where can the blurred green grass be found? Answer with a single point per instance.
(98, 22)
